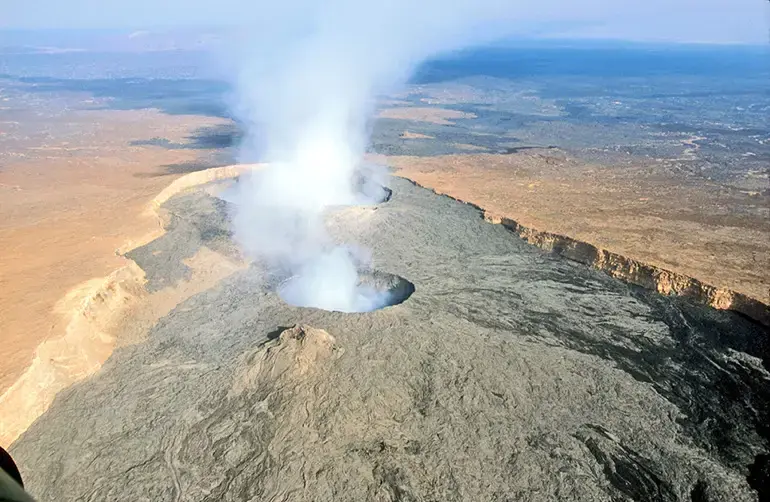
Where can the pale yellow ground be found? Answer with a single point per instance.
(414, 135)
(441, 116)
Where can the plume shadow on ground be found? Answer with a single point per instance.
(204, 138)
(222, 139)
(184, 168)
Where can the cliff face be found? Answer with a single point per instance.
(101, 313)
(628, 269)
(682, 227)
(92, 312)
(82, 191)
(634, 272)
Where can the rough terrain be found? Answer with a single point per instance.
(509, 374)
(106, 312)
(691, 227)
(73, 190)
(671, 173)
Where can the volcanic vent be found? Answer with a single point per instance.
(356, 291)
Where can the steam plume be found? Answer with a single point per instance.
(307, 89)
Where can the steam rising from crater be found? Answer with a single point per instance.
(308, 83)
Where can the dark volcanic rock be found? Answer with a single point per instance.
(509, 374)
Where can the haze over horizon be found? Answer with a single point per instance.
(681, 21)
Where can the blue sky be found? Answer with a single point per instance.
(704, 21)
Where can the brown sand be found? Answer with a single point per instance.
(414, 135)
(66, 205)
(439, 116)
(690, 226)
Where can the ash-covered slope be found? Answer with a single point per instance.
(509, 374)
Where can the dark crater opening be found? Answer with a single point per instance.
(370, 290)
(370, 191)
(384, 194)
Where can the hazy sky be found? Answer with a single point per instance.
(716, 21)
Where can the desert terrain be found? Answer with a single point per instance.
(75, 194)
(646, 213)
(691, 197)
(585, 315)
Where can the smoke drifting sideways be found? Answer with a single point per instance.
(309, 76)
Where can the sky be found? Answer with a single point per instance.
(700, 21)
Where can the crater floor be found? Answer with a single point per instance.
(509, 374)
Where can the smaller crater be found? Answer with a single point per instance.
(369, 191)
(371, 290)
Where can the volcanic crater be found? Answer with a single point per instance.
(513, 374)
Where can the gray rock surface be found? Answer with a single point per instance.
(509, 374)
